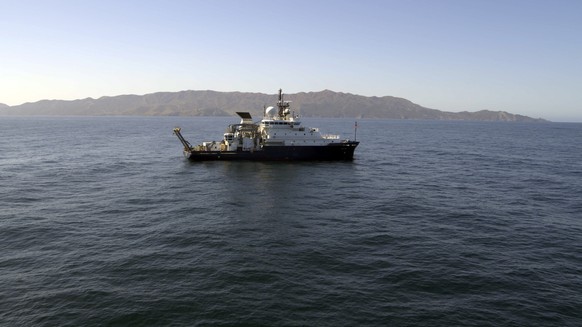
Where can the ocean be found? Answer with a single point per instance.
(434, 223)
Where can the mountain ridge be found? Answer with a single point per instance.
(326, 103)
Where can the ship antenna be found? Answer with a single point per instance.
(355, 129)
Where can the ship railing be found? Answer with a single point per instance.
(331, 136)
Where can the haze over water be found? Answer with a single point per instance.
(103, 222)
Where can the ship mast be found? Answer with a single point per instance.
(282, 105)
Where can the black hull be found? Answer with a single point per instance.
(331, 152)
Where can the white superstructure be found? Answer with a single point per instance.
(277, 128)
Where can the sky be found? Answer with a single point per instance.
(520, 56)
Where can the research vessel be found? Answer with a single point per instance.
(278, 136)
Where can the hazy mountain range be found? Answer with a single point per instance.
(211, 103)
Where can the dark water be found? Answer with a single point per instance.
(103, 222)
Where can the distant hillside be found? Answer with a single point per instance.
(211, 103)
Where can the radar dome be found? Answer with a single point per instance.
(271, 111)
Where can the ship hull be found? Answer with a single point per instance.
(331, 152)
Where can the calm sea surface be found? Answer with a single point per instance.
(103, 222)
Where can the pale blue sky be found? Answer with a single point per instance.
(519, 56)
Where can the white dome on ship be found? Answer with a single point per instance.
(271, 112)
